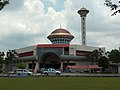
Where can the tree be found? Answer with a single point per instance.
(21, 65)
(10, 57)
(114, 7)
(95, 55)
(1, 60)
(114, 56)
(3, 3)
(103, 62)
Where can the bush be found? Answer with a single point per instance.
(21, 65)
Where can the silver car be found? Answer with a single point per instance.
(22, 72)
(51, 71)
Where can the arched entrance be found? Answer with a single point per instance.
(50, 60)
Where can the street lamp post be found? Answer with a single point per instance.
(3, 3)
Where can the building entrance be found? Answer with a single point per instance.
(50, 60)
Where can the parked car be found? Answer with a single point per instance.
(42, 70)
(22, 72)
(51, 71)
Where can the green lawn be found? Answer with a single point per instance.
(60, 83)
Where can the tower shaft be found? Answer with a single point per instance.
(83, 30)
(83, 13)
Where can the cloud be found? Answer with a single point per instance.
(53, 1)
(29, 25)
(15, 5)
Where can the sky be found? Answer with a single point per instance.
(28, 22)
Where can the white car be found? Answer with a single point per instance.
(22, 72)
(51, 71)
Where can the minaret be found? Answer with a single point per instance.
(83, 13)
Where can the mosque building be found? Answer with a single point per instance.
(60, 53)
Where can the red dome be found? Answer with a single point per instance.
(60, 36)
(60, 32)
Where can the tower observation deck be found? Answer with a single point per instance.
(83, 13)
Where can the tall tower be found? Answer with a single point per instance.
(83, 13)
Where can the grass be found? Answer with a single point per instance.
(60, 83)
